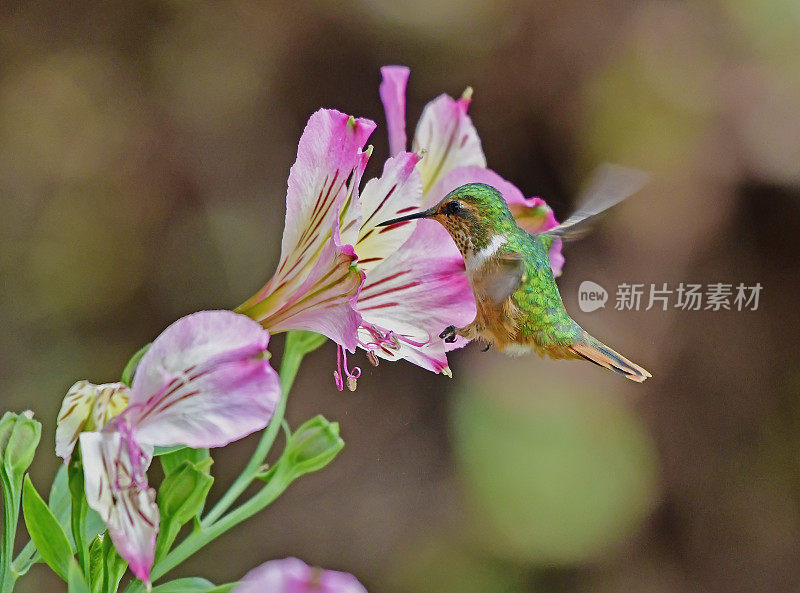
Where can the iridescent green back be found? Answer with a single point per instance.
(543, 318)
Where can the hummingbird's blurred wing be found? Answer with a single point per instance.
(608, 186)
(497, 280)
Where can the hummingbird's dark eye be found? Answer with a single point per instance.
(452, 207)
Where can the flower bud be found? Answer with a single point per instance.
(19, 437)
(313, 446)
(7, 423)
(183, 492)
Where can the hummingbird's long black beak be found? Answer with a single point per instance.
(424, 214)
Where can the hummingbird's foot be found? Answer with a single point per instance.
(449, 334)
(489, 345)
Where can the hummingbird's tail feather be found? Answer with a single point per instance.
(595, 351)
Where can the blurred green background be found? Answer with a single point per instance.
(144, 151)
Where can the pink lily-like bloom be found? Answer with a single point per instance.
(205, 382)
(291, 575)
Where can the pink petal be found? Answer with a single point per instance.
(291, 575)
(449, 140)
(463, 175)
(416, 293)
(204, 382)
(116, 488)
(531, 214)
(350, 215)
(398, 191)
(393, 95)
(330, 150)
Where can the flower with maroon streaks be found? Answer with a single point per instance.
(204, 382)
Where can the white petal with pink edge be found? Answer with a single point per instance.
(447, 138)
(116, 487)
(413, 295)
(398, 191)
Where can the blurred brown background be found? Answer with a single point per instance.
(144, 151)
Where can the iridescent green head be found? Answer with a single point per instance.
(472, 214)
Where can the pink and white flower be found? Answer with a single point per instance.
(343, 276)
(291, 575)
(205, 382)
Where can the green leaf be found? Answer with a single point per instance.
(114, 566)
(46, 532)
(60, 503)
(226, 588)
(96, 565)
(187, 585)
(75, 581)
(172, 461)
(130, 368)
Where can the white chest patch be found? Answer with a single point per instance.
(476, 260)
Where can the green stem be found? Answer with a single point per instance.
(11, 501)
(25, 559)
(77, 522)
(199, 539)
(77, 512)
(292, 357)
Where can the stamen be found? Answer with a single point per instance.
(343, 372)
(387, 339)
(374, 360)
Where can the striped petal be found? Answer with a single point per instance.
(291, 575)
(325, 301)
(87, 407)
(393, 96)
(412, 296)
(116, 487)
(329, 155)
(531, 214)
(329, 150)
(398, 191)
(204, 382)
(447, 138)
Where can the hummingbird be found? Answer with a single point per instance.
(519, 306)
